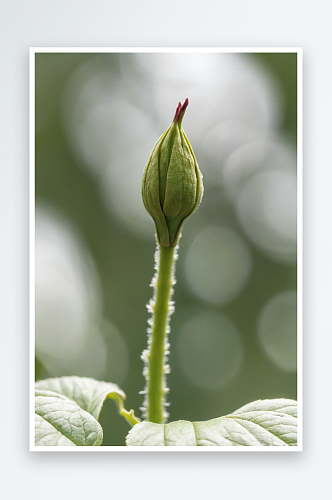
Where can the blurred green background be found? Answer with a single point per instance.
(233, 333)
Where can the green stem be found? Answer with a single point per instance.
(128, 415)
(155, 391)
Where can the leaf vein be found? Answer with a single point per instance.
(42, 416)
(257, 425)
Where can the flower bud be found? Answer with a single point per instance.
(172, 185)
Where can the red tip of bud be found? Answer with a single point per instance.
(185, 104)
(180, 110)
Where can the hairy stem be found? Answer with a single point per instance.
(155, 356)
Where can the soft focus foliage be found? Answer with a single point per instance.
(97, 118)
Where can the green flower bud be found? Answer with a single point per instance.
(172, 185)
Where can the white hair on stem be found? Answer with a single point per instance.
(146, 352)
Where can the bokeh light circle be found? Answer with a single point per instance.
(256, 156)
(266, 208)
(67, 289)
(218, 264)
(210, 350)
(277, 330)
(71, 336)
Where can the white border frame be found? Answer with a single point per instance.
(299, 51)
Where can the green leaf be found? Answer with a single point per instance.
(67, 409)
(261, 423)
